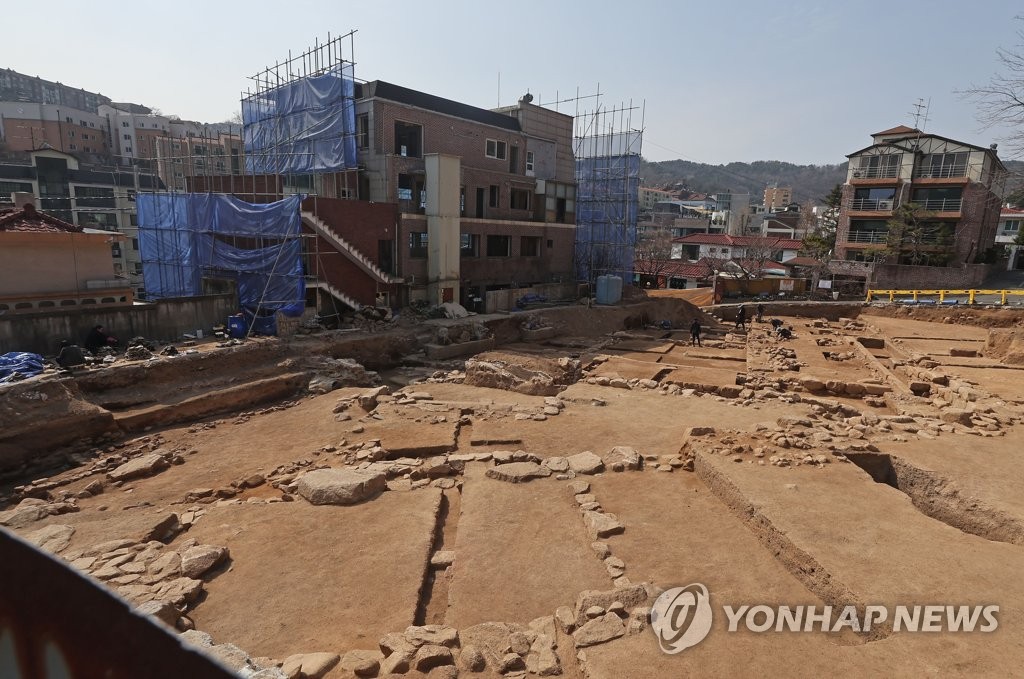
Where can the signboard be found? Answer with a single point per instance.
(827, 285)
(786, 286)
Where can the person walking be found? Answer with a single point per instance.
(695, 333)
(741, 318)
(760, 313)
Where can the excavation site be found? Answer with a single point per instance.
(530, 494)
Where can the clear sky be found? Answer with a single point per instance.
(806, 81)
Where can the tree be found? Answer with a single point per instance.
(653, 253)
(914, 237)
(756, 254)
(1001, 100)
(820, 242)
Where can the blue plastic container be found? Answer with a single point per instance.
(237, 327)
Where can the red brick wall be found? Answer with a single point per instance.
(905, 276)
(454, 136)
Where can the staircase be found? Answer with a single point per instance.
(338, 294)
(349, 250)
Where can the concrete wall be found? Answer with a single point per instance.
(166, 319)
(37, 263)
(505, 300)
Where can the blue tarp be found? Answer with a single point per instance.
(607, 206)
(304, 126)
(23, 363)
(183, 237)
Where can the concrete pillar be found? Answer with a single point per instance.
(443, 227)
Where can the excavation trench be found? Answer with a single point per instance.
(939, 498)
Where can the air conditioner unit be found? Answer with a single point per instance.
(857, 174)
(885, 205)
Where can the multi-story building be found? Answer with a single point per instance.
(26, 126)
(16, 86)
(733, 212)
(86, 197)
(777, 197)
(647, 198)
(955, 187)
(1010, 221)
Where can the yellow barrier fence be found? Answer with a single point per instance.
(942, 294)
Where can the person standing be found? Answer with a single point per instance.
(741, 317)
(695, 333)
(760, 313)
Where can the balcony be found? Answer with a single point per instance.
(941, 171)
(872, 205)
(941, 204)
(890, 172)
(871, 237)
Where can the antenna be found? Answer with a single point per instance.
(920, 113)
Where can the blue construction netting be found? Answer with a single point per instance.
(184, 237)
(303, 126)
(607, 206)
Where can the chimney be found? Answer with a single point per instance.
(22, 199)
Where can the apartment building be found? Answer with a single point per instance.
(26, 126)
(647, 198)
(776, 198)
(85, 196)
(956, 186)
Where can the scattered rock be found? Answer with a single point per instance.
(310, 665)
(362, 663)
(602, 525)
(54, 538)
(623, 457)
(195, 561)
(599, 630)
(144, 465)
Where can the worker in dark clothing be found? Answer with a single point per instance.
(695, 333)
(70, 355)
(741, 318)
(98, 338)
(776, 324)
(784, 333)
(760, 313)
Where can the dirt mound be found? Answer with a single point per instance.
(1006, 317)
(522, 373)
(1006, 344)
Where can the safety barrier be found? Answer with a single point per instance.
(914, 295)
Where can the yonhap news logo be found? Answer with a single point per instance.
(681, 618)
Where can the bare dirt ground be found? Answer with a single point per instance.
(445, 527)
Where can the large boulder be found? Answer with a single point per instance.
(585, 463)
(195, 561)
(144, 465)
(517, 472)
(341, 486)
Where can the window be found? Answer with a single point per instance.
(551, 243)
(418, 244)
(1011, 226)
(529, 161)
(68, 119)
(499, 246)
(137, 266)
(83, 123)
(125, 123)
(496, 149)
(529, 246)
(495, 195)
(135, 242)
(133, 219)
(408, 139)
(85, 136)
(72, 147)
(943, 165)
(71, 134)
(886, 165)
(363, 130)
(521, 199)
(404, 187)
(469, 245)
(127, 136)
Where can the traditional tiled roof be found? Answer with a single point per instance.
(673, 267)
(899, 129)
(28, 219)
(739, 241)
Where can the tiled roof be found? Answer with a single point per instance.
(899, 129)
(738, 241)
(1010, 212)
(28, 219)
(678, 268)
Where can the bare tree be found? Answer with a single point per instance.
(653, 253)
(758, 252)
(1001, 100)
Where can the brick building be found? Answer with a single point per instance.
(956, 185)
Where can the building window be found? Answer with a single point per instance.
(83, 123)
(404, 187)
(551, 243)
(127, 136)
(529, 246)
(68, 119)
(469, 245)
(521, 199)
(408, 139)
(499, 246)
(363, 130)
(496, 149)
(943, 165)
(72, 147)
(529, 161)
(135, 242)
(133, 219)
(125, 123)
(495, 196)
(1011, 226)
(138, 267)
(418, 244)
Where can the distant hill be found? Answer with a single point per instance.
(809, 182)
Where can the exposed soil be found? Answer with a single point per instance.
(884, 474)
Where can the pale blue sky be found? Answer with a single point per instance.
(727, 80)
